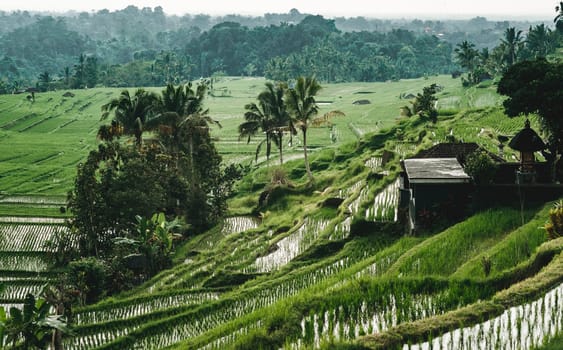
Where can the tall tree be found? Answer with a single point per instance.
(79, 72)
(183, 126)
(466, 55)
(174, 108)
(512, 43)
(540, 41)
(303, 108)
(269, 115)
(558, 20)
(536, 87)
(132, 112)
(90, 71)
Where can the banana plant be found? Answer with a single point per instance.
(32, 327)
(153, 239)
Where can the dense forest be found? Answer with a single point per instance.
(146, 47)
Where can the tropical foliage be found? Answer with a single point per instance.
(536, 87)
(177, 174)
(31, 327)
(513, 47)
(270, 116)
(558, 20)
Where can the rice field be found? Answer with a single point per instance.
(523, 327)
(385, 204)
(343, 323)
(24, 256)
(27, 237)
(338, 286)
(291, 246)
(41, 142)
(238, 224)
(140, 306)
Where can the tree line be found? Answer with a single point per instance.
(144, 47)
(540, 41)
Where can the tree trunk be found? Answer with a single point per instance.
(309, 174)
(57, 339)
(139, 138)
(281, 147)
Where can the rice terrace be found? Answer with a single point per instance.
(389, 196)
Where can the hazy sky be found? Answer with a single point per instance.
(533, 9)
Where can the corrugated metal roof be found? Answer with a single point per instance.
(435, 170)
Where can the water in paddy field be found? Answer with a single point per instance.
(520, 327)
(291, 246)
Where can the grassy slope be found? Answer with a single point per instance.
(443, 253)
(41, 142)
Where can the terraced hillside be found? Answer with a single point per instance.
(313, 266)
(190, 304)
(25, 261)
(261, 279)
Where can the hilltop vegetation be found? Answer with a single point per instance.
(145, 47)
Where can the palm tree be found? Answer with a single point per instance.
(466, 55)
(131, 112)
(558, 20)
(512, 43)
(271, 116)
(44, 81)
(109, 132)
(540, 40)
(281, 121)
(300, 102)
(180, 114)
(256, 119)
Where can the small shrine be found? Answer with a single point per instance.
(527, 141)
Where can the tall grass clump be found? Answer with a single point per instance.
(443, 253)
(516, 247)
(554, 227)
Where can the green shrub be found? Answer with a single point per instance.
(554, 227)
(480, 167)
(278, 176)
(279, 327)
(88, 276)
(226, 279)
(298, 172)
(257, 340)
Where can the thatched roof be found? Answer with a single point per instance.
(527, 140)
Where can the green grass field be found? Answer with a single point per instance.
(41, 142)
